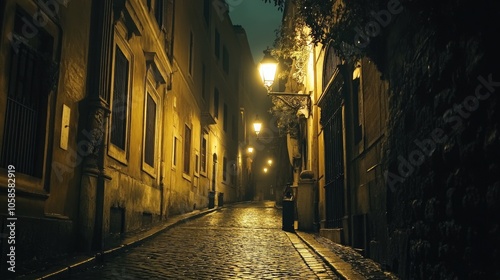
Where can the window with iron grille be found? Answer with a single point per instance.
(187, 149)
(32, 75)
(120, 104)
(149, 141)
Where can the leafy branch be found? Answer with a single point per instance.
(333, 22)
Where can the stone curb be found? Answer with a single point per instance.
(84, 262)
(343, 269)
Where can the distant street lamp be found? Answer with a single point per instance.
(270, 162)
(257, 125)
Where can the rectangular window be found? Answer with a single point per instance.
(159, 12)
(187, 149)
(150, 132)
(120, 101)
(174, 152)
(191, 49)
(25, 104)
(203, 160)
(224, 169)
(196, 164)
(224, 118)
(216, 103)
(242, 131)
(234, 128)
(203, 81)
(225, 60)
(169, 29)
(217, 44)
(356, 100)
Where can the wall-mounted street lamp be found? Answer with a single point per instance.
(250, 150)
(268, 67)
(270, 162)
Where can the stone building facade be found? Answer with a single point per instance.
(116, 115)
(404, 143)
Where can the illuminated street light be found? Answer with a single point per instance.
(270, 162)
(267, 69)
(250, 150)
(265, 169)
(257, 125)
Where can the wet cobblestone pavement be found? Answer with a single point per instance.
(242, 241)
(366, 267)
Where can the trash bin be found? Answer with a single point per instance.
(220, 198)
(288, 210)
(211, 199)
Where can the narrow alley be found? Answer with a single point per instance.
(249, 139)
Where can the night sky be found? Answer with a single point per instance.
(259, 19)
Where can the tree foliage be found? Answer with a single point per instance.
(312, 22)
(334, 21)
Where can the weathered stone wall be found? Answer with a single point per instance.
(442, 151)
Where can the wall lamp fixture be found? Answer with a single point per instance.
(268, 67)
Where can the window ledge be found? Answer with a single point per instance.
(186, 177)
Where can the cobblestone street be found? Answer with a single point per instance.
(242, 241)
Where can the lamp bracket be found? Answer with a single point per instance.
(307, 100)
